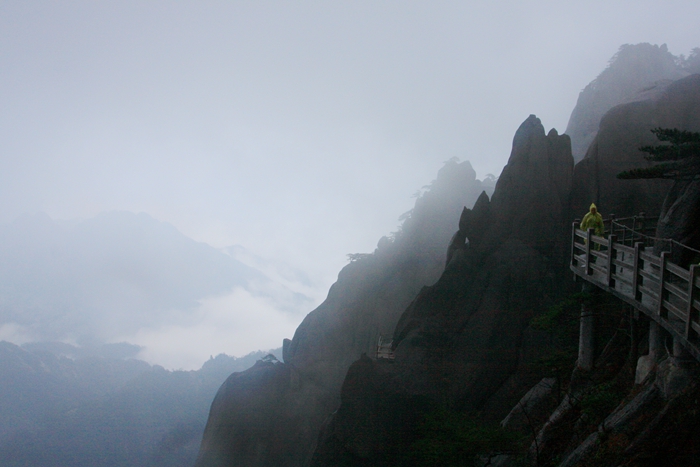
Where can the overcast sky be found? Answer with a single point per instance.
(297, 129)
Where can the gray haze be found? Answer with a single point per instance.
(125, 277)
(295, 131)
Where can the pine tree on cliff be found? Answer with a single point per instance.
(679, 160)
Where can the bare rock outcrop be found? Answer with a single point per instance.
(532, 193)
(465, 343)
(292, 400)
(633, 73)
(462, 339)
(616, 148)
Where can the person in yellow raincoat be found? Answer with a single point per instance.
(593, 220)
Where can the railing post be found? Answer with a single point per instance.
(586, 339)
(574, 226)
(689, 331)
(589, 256)
(638, 263)
(660, 310)
(612, 223)
(612, 269)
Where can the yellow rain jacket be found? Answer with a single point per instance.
(593, 220)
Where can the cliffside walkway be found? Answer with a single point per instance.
(625, 266)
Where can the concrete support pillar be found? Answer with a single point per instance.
(679, 352)
(678, 375)
(646, 363)
(586, 339)
(656, 341)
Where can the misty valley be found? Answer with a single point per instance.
(462, 339)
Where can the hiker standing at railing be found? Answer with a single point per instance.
(593, 220)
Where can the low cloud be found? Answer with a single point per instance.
(15, 333)
(125, 277)
(236, 324)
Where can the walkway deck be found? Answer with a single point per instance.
(625, 266)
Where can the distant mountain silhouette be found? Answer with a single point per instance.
(88, 411)
(633, 72)
(463, 348)
(271, 414)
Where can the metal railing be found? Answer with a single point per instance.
(630, 230)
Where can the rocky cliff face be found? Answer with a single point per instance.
(481, 303)
(464, 341)
(633, 72)
(291, 400)
(680, 213)
(109, 410)
(616, 148)
(466, 345)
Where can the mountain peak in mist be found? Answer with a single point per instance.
(632, 70)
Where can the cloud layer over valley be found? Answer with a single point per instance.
(260, 143)
(127, 277)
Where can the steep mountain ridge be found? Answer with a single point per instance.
(368, 298)
(93, 410)
(633, 73)
(466, 344)
(464, 339)
(616, 148)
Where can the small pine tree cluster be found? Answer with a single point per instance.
(679, 159)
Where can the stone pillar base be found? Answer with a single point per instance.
(645, 365)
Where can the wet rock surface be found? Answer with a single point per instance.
(461, 330)
(365, 303)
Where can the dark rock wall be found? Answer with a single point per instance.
(680, 214)
(255, 399)
(616, 148)
(90, 410)
(632, 72)
(532, 193)
(471, 321)
(366, 301)
(465, 342)
(461, 339)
